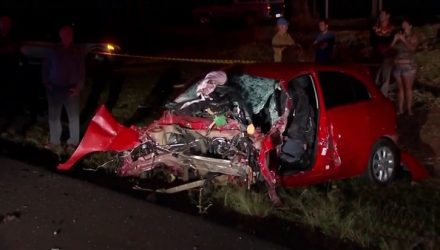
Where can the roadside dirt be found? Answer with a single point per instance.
(430, 135)
(420, 134)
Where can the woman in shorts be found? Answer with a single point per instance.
(405, 43)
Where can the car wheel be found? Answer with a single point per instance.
(383, 163)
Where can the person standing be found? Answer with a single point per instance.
(281, 40)
(324, 43)
(405, 67)
(63, 77)
(9, 64)
(381, 38)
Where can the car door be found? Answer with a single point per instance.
(348, 106)
(322, 164)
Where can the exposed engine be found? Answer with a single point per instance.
(188, 156)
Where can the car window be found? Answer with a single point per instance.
(341, 89)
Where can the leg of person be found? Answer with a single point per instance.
(408, 82)
(387, 67)
(72, 109)
(277, 55)
(55, 105)
(400, 93)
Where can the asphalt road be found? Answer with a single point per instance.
(40, 209)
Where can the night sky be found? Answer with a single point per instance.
(38, 19)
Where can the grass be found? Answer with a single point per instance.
(248, 203)
(254, 51)
(429, 67)
(369, 216)
(136, 90)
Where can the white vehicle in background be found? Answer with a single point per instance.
(249, 11)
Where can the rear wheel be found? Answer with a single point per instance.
(383, 163)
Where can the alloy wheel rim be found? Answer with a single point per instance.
(383, 164)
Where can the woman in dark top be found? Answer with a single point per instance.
(405, 43)
(381, 38)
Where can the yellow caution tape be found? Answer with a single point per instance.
(176, 59)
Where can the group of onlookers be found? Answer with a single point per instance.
(394, 48)
(323, 43)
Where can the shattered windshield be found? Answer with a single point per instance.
(257, 93)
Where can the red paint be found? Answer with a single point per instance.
(191, 122)
(345, 134)
(103, 134)
(418, 172)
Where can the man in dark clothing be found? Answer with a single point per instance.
(381, 37)
(9, 62)
(324, 43)
(63, 77)
(8, 46)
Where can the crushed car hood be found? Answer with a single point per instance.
(103, 134)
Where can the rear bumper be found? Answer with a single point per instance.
(417, 170)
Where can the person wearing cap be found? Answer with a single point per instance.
(281, 40)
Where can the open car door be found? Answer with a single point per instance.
(323, 158)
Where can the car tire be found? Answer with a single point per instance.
(383, 163)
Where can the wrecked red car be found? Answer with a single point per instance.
(283, 125)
